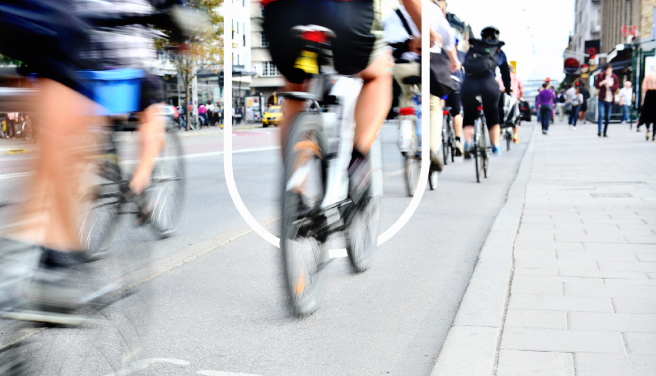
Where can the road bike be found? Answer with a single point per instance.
(109, 196)
(480, 149)
(410, 139)
(511, 117)
(448, 136)
(316, 199)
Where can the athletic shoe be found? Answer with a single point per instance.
(516, 138)
(458, 148)
(574, 127)
(467, 148)
(496, 150)
(605, 135)
(599, 134)
(544, 132)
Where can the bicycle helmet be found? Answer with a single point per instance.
(490, 32)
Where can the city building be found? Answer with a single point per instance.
(266, 77)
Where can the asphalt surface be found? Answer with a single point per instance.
(213, 304)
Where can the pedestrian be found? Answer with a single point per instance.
(11, 124)
(544, 103)
(202, 113)
(583, 110)
(560, 106)
(218, 113)
(626, 100)
(238, 114)
(607, 83)
(577, 101)
(648, 103)
(569, 94)
(210, 113)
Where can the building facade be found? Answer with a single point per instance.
(587, 25)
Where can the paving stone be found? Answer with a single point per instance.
(626, 266)
(651, 275)
(538, 226)
(641, 343)
(530, 318)
(535, 237)
(641, 239)
(547, 278)
(620, 322)
(601, 274)
(614, 365)
(644, 256)
(619, 232)
(537, 272)
(561, 340)
(592, 226)
(533, 245)
(609, 291)
(618, 247)
(521, 363)
(535, 219)
(599, 255)
(610, 221)
(644, 282)
(627, 305)
(591, 238)
(536, 254)
(559, 303)
(642, 226)
(537, 288)
(555, 264)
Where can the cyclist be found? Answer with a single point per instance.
(358, 49)
(48, 37)
(517, 91)
(484, 56)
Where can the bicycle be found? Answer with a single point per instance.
(480, 149)
(315, 192)
(108, 195)
(410, 139)
(448, 136)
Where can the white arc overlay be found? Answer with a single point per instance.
(227, 140)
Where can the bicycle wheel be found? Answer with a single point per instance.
(303, 256)
(445, 138)
(508, 138)
(166, 192)
(412, 165)
(432, 177)
(362, 233)
(484, 149)
(478, 153)
(99, 200)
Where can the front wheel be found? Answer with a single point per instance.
(445, 139)
(412, 171)
(303, 255)
(508, 138)
(166, 192)
(362, 233)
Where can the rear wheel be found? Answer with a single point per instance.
(484, 150)
(362, 233)
(412, 166)
(432, 177)
(303, 256)
(478, 152)
(166, 192)
(445, 139)
(508, 138)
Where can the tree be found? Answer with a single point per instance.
(204, 51)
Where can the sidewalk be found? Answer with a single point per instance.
(566, 281)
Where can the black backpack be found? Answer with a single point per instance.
(483, 57)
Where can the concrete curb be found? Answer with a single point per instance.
(471, 345)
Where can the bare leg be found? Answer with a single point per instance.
(469, 133)
(457, 125)
(494, 131)
(151, 133)
(48, 214)
(373, 103)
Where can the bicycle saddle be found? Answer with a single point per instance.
(412, 80)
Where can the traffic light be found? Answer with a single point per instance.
(221, 81)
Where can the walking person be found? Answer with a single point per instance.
(202, 113)
(607, 83)
(545, 103)
(560, 106)
(577, 101)
(210, 113)
(626, 100)
(583, 110)
(648, 103)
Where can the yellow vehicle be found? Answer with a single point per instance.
(273, 116)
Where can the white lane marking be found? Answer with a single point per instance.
(186, 156)
(337, 253)
(221, 373)
(142, 364)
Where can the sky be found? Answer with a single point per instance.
(536, 32)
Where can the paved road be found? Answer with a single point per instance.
(223, 310)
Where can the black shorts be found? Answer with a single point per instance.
(47, 38)
(152, 91)
(453, 101)
(584, 106)
(358, 37)
(488, 89)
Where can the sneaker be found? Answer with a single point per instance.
(605, 135)
(437, 163)
(466, 148)
(516, 138)
(544, 132)
(359, 177)
(458, 148)
(496, 150)
(599, 134)
(574, 127)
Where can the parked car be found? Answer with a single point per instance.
(272, 116)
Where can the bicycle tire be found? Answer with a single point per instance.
(303, 257)
(166, 192)
(477, 151)
(100, 200)
(362, 233)
(508, 140)
(445, 139)
(484, 149)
